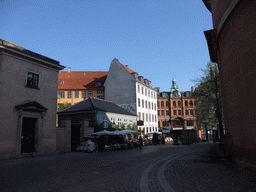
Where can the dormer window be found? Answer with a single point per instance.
(98, 84)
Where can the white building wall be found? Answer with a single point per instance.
(149, 126)
(114, 117)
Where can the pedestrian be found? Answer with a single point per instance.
(141, 142)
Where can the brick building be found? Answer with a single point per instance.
(176, 110)
(75, 86)
(232, 45)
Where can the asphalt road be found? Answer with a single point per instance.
(154, 168)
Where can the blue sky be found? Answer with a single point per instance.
(159, 39)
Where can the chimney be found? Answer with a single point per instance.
(69, 69)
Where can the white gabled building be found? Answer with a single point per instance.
(127, 89)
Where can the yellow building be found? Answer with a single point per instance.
(75, 86)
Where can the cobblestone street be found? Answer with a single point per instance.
(154, 168)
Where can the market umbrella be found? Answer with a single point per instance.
(104, 132)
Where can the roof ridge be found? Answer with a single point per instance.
(90, 98)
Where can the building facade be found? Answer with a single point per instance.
(176, 110)
(232, 46)
(135, 93)
(29, 83)
(75, 86)
(95, 112)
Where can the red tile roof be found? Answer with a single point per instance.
(128, 69)
(81, 79)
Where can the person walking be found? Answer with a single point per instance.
(141, 142)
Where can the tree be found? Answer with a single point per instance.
(134, 127)
(129, 126)
(209, 101)
(64, 106)
(122, 127)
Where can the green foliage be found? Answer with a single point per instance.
(116, 127)
(134, 127)
(122, 127)
(64, 106)
(208, 98)
(129, 126)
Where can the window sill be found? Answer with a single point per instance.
(32, 87)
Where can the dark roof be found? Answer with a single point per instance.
(21, 49)
(94, 104)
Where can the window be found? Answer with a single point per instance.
(98, 84)
(61, 95)
(186, 112)
(146, 91)
(154, 95)
(146, 117)
(32, 80)
(167, 113)
(178, 103)
(76, 94)
(191, 112)
(138, 88)
(83, 94)
(69, 94)
(152, 106)
(167, 104)
(138, 102)
(158, 113)
(190, 123)
(174, 112)
(142, 103)
(100, 97)
(149, 117)
(142, 116)
(152, 118)
(163, 113)
(149, 93)
(191, 104)
(100, 91)
(179, 112)
(142, 90)
(105, 122)
(155, 118)
(146, 104)
(62, 82)
(139, 116)
(174, 103)
(175, 94)
(157, 104)
(186, 103)
(155, 107)
(89, 94)
(162, 104)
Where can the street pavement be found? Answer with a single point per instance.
(153, 168)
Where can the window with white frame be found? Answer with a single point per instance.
(90, 94)
(142, 90)
(148, 105)
(138, 102)
(62, 82)
(83, 94)
(146, 91)
(61, 95)
(69, 94)
(76, 94)
(149, 93)
(142, 103)
(138, 88)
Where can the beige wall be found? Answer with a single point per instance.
(13, 71)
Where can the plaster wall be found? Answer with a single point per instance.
(120, 85)
(13, 72)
